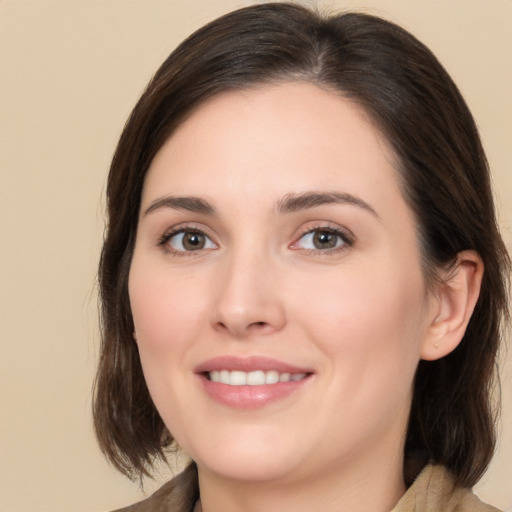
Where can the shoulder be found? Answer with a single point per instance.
(434, 491)
(178, 495)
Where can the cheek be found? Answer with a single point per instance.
(166, 308)
(368, 320)
(368, 323)
(166, 311)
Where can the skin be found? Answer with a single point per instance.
(358, 316)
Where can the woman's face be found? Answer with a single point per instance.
(274, 244)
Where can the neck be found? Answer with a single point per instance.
(367, 486)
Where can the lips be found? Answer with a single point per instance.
(252, 382)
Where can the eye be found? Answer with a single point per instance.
(187, 240)
(323, 239)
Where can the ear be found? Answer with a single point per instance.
(454, 303)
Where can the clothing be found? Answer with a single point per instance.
(178, 495)
(430, 492)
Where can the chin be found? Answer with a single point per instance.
(244, 470)
(249, 459)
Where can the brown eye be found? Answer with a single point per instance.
(193, 241)
(187, 241)
(325, 240)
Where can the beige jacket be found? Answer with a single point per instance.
(431, 492)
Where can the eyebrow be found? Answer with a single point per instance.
(191, 204)
(295, 202)
(289, 204)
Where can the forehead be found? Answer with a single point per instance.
(291, 129)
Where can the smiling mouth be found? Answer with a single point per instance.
(252, 378)
(252, 382)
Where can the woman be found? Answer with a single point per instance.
(302, 280)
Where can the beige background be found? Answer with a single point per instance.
(70, 71)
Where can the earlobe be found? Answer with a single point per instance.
(455, 301)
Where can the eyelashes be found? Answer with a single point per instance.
(320, 239)
(324, 239)
(185, 240)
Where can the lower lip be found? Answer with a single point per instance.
(250, 397)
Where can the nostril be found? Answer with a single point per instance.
(258, 324)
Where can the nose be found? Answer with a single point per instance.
(249, 300)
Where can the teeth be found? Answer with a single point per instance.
(255, 378)
(271, 377)
(237, 378)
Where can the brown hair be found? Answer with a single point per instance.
(445, 179)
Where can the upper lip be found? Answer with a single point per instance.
(248, 364)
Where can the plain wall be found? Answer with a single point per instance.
(70, 71)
